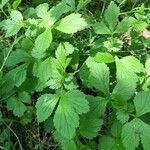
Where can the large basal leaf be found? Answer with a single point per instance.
(71, 24)
(66, 118)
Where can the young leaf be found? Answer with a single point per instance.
(13, 25)
(142, 103)
(111, 15)
(45, 106)
(42, 43)
(102, 57)
(71, 24)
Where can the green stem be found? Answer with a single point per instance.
(10, 50)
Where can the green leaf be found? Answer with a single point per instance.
(130, 136)
(89, 126)
(13, 25)
(111, 15)
(82, 4)
(45, 106)
(57, 11)
(24, 97)
(122, 116)
(78, 101)
(97, 105)
(126, 80)
(42, 11)
(71, 24)
(42, 43)
(66, 118)
(106, 143)
(66, 144)
(101, 28)
(3, 3)
(42, 72)
(116, 129)
(16, 106)
(133, 131)
(102, 57)
(98, 75)
(18, 74)
(16, 3)
(142, 103)
(124, 25)
(17, 57)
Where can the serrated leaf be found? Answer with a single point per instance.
(122, 116)
(66, 120)
(57, 11)
(42, 43)
(97, 105)
(71, 24)
(16, 106)
(13, 25)
(111, 15)
(102, 57)
(17, 57)
(98, 75)
(42, 72)
(130, 136)
(78, 101)
(90, 126)
(124, 25)
(142, 103)
(116, 129)
(101, 28)
(42, 11)
(126, 80)
(106, 143)
(137, 130)
(24, 97)
(18, 74)
(45, 106)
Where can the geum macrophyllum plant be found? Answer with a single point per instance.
(94, 99)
